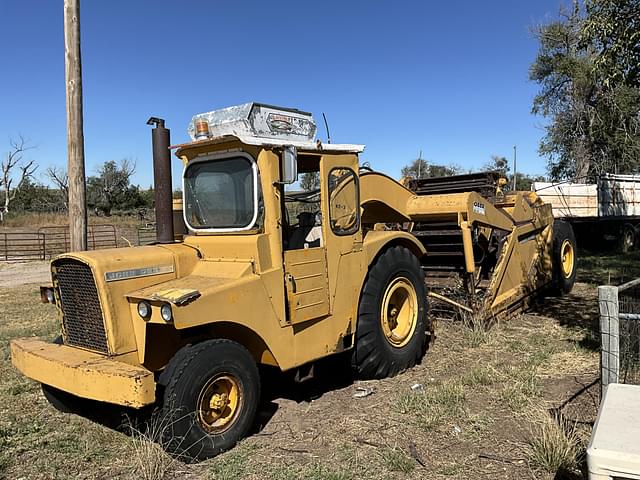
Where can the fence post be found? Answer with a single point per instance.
(609, 335)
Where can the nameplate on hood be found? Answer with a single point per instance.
(137, 272)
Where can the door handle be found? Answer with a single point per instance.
(292, 281)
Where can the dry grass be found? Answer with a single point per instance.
(479, 375)
(33, 221)
(435, 406)
(554, 445)
(148, 460)
(477, 331)
(396, 460)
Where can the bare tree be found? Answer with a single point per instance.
(60, 178)
(15, 160)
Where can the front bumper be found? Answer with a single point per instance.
(84, 374)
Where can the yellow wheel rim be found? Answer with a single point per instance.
(399, 315)
(567, 257)
(219, 402)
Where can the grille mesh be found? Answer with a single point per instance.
(81, 312)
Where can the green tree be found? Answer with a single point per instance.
(36, 197)
(593, 122)
(310, 181)
(524, 181)
(111, 187)
(613, 27)
(421, 168)
(498, 164)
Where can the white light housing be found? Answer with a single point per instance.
(50, 297)
(166, 313)
(144, 309)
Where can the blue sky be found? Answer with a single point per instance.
(447, 78)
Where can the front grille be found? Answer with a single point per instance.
(81, 313)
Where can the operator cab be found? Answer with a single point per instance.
(223, 189)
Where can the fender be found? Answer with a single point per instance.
(376, 241)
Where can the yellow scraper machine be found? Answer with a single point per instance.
(489, 252)
(261, 269)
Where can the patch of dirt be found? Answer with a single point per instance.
(24, 273)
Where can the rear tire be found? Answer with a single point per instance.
(210, 399)
(564, 258)
(628, 238)
(391, 333)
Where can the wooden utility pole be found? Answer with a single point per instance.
(75, 135)
(515, 168)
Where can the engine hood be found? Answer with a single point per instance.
(117, 272)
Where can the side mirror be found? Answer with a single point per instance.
(289, 164)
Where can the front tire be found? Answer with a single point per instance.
(391, 332)
(64, 402)
(210, 399)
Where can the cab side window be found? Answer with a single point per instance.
(344, 201)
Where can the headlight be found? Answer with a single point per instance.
(144, 309)
(166, 313)
(46, 295)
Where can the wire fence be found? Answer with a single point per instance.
(620, 333)
(629, 332)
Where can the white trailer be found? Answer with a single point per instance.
(608, 209)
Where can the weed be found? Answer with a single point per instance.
(317, 471)
(476, 330)
(541, 350)
(4, 462)
(451, 469)
(21, 386)
(522, 388)
(554, 444)
(396, 460)
(514, 345)
(478, 375)
(314, 471)
(150, 462)
(232, 464)
(436, 406)
(283, 472)
(478, 425)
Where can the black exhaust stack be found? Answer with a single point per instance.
(162, 185)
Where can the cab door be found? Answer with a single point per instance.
(343, 234)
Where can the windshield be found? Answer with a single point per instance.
(221, 194)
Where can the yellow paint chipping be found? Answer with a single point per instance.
(177, 296)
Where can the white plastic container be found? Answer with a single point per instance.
(614, 449)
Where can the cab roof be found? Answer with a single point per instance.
(260, 125)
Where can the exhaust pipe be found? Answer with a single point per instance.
(162, 185)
